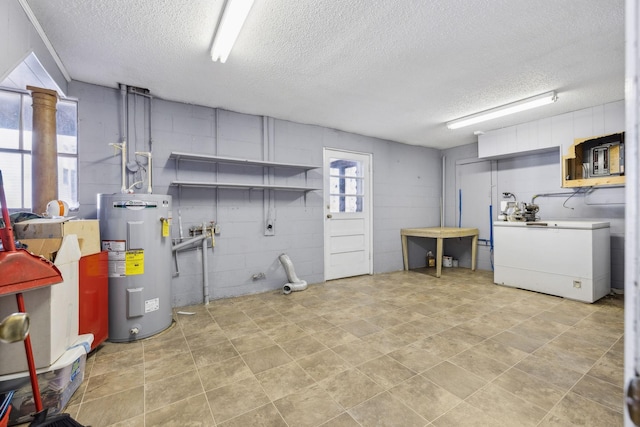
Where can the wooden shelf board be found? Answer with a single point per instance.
(592, 182)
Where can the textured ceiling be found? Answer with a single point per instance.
(392, 69)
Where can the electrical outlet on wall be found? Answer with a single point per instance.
(270, 229)
(270, 222)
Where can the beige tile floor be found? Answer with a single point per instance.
(399, 349)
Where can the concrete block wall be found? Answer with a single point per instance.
(411, 183)
(406, 187)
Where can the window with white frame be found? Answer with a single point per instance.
(346, 181)
(15, 149)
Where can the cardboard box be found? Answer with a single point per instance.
(43, 236)
(47, 248)
(53, 312)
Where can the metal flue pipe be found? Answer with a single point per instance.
(44, 149)
(294, 284)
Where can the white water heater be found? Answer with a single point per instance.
(134, 229)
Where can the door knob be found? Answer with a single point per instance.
(329, 216)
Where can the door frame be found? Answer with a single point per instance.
(368, 203)
(632, 207)
(493, 170)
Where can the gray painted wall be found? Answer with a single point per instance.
(406, 187)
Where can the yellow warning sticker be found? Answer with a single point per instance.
(134, 262)
(165, 227)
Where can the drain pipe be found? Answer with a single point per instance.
(189, 242)
(205, 271)
(294, 284)
(205, 267)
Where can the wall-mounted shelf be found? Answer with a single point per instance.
(240, 186)
(594, 161)
(237, 161)
(178, 155)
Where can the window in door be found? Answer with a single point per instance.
(346, 182)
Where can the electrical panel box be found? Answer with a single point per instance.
(606, 159)
(595, 161)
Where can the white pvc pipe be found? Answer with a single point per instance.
(205, 264)
(123, 170)
(124, 166)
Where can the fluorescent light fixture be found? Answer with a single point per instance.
(235, 12)
(504, 110)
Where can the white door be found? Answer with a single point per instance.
(473, 196)
(347, 214)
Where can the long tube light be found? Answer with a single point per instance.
(504, 110)
(233, 17)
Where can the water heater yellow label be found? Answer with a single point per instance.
(134, 262)
(165, 227)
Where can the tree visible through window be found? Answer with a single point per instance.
(15, 149)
